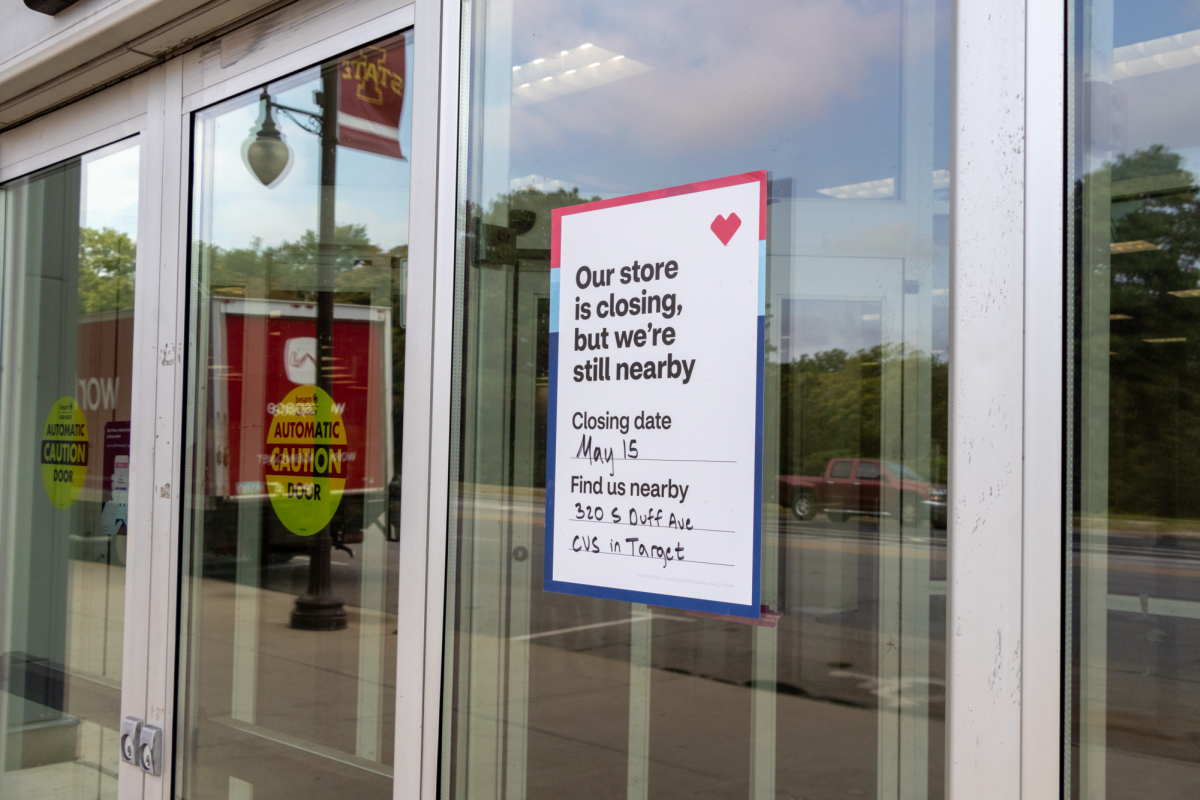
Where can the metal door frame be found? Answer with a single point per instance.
(107, 117)
(294, 38)
(1004, 709)
(156, 106)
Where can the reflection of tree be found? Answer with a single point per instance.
(1154, 413)
(831, 407)
(288, 271)
(107, 260)
(508, 257)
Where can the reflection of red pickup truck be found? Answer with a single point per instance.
(855, 487)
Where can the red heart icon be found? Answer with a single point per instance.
(726, 227)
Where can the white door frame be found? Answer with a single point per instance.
(290, 40)
(104, 118)
(1005, 615)
(157, 106)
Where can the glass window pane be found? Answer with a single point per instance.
(66, 326)
(1134, 433)
(299, 257)
(867, 471)
(840, 469)
(842, 691)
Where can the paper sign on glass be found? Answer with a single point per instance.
(654, 448)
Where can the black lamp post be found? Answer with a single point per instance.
(268, 156)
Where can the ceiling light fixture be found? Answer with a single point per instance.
(570, 71)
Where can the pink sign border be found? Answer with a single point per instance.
(760, 176)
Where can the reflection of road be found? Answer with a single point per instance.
(321, 704)
(827, 590)
(1153, 640)
(291, 577)
(824, 682)
(828, 583)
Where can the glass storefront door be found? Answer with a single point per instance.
(1134, 356)
(67, 265)
(295, 358)
(839, 688)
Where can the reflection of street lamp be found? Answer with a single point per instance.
(268, 156)
(267, 153)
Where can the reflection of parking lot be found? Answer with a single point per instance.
(1153, 643)
(825, 691)
(824, 685)
(322, 703)
(291, 575)
(828, 581)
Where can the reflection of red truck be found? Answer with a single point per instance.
(857, 486)
(261, 350)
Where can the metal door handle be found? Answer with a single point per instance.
(150, 750)
(131, 734)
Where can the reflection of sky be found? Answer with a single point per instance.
(1154, 108)
(110, 189)
(372, 189)
(817, 326)
(811, 91)
(1139, 21)
(807, 90)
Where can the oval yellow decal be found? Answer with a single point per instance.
(306, 444)
(64, 452)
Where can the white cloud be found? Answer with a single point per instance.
(720, 72)
(110, 190)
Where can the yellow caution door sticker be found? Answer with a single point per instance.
(305, 471)
(64, 452)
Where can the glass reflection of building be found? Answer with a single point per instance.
(1133, 361)
(857, 305)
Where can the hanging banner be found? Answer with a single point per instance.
(371, 97)
(654, 447)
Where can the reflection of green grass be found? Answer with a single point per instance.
(1150, 524)
(490, 490)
